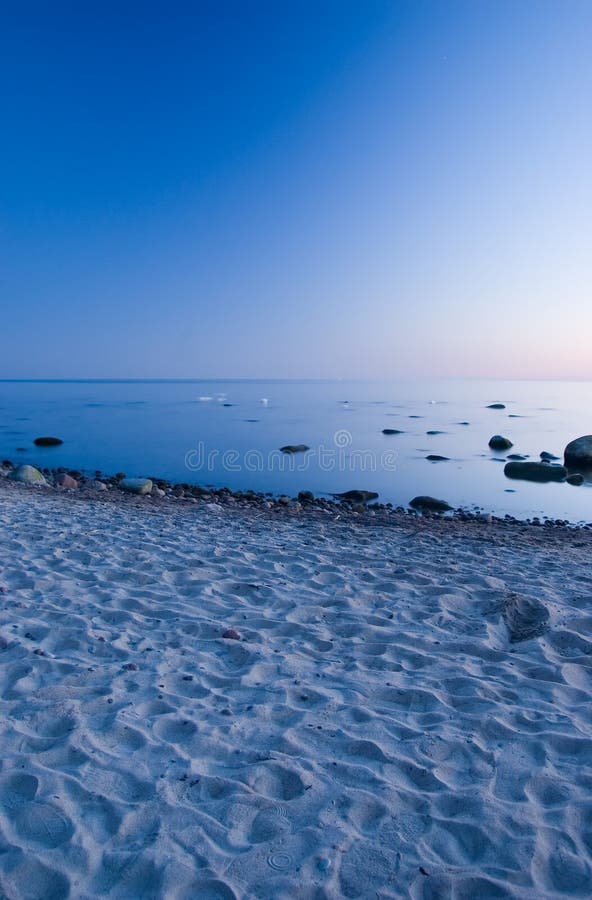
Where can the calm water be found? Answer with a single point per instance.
(228, 433)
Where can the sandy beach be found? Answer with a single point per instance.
(367, 727)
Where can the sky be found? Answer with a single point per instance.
(296, 189)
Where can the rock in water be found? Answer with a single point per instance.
(65, 480)
(535, 471)
(496, 406)
(48, 442)
(435, 457)
(136, 485)
(391, 431)
(547, 457)
(579, 452)
(357, 496)
(499, 442)
(27, 475)
(517, 456)
(525, 618)
(294, 448)
(576, 479)
(429, 504)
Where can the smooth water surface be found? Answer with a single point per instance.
(229, 433)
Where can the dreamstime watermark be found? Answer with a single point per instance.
(341, 457)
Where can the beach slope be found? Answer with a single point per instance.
(201, 702)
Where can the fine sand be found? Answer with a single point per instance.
(373, 733)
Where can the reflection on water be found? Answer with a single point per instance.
(229, 433)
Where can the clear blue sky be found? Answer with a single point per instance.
(318, 189)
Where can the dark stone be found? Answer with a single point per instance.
(535, 471)
(294, 448)
(517, 457)
(579, 452)
(496, 406)
(357, 496)
(547, 457)
(435, 457)
(305, 496)
(435, 432)
(47, 442)
(430, 504)
(498, 442)
(576, 479)
(392, 431)
(525, 618)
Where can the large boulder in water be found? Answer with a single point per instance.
(535, 471)
(28, 475)
(136, 485)
(48, 442)
(578, 453)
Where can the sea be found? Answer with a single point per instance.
(229, 433)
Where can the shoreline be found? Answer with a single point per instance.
(176, 493)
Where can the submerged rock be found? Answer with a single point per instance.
(496, 406)
(357, 496)
(499, 442)
(579, 452)
(48, 442)
(294, 448)
(429, 504)
(391, 431)
(435, 457)
(27, 475)
(535, 471)
(525, 618)
(136, 485)
(547, 457)
(518, 457)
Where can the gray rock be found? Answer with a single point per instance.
(294, 448)
(48, 442)
(429, 504)
(98, 485)
(392, 431)
(579, 452)
(535, 471)
(498, 442)
(547, 457)
(435, 457)
(496, 406)
(136, 485)
(357, 496)
(27, 475)
(525, 618)
(576, 479)
(518, 457)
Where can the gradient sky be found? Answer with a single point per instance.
(296, 189)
